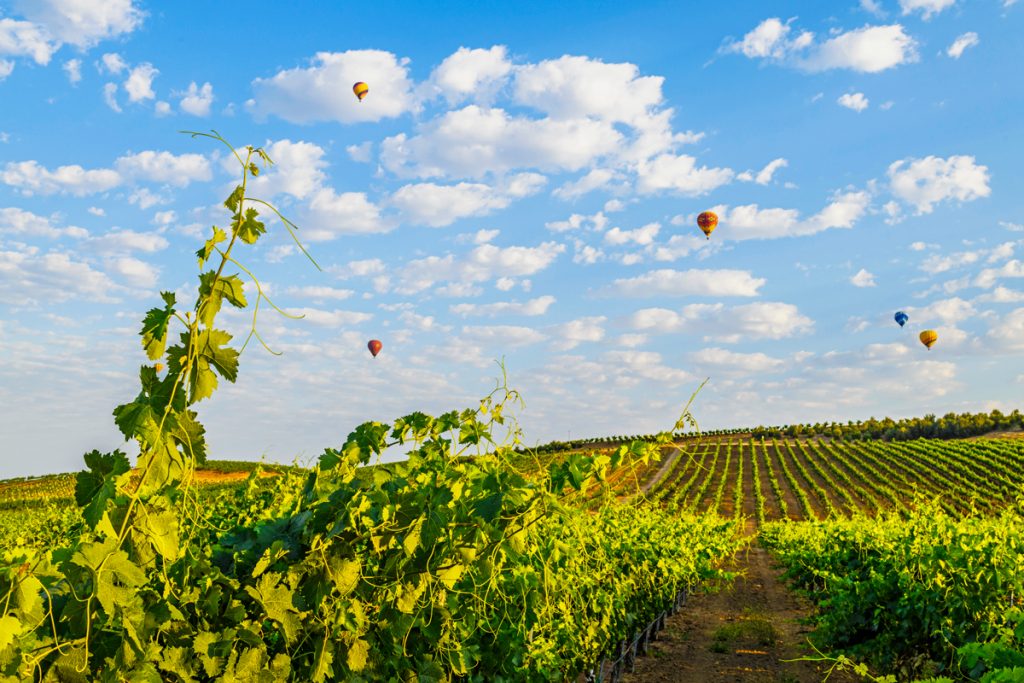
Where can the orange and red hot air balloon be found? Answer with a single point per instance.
(360, 89)
(375, 346)
(707, 221)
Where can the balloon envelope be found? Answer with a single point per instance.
(707, 221)
(360, 89)
(902, 318)
(929, 337)
(375, 346)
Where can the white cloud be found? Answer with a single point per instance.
(936, 263)
(503, 336)
(947, 311)
(331, 215)
(361, 153)
(668, 282)
(113, 63)
(28, 278)
(134, 272)
(533, 307)
(764, 176)
(124, 241)
(989, 276)
(577, 221)
(679, 246)
(1007, 332)
(872, 7)
(165, 167)
(484, 263)
(196, 100)
(575, 332)
(763, 320)
(474, 141)
(718, 360)
(6, 68)
(320, 292)
(485, 236)
(928, 181)
(751, 222)
(83, 23)
(962, 42)
(1012, 227)
(679, 172)
(1002, 295)
(323, 91)
(472, 73)
(927, 8)
(110, 96)
(869, 49)
(139, 84)
(643, 236)
(25, 39)
(31, 178)
(15, 221)
(96, 211)
(73, 68)
(921, 246)
(298, 169)
(593, 180)
(855, 101)
(573, 87)
(863, 279)
(145, 199)
(333, 319)
(440, 205)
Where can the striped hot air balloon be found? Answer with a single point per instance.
(360, 89)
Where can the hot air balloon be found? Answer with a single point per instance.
(375, 346)
(902, 318)
(707, 222)
(360, 89)
(929, 337)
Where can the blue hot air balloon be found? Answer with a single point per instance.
(902, 318)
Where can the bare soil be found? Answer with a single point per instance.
(744, 633)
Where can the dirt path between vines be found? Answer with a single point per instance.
(741, 634)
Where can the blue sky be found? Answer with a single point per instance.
(522, 181)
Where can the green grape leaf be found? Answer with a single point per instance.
(115, 577)
(204, 254)
(276, 600)
(358, 652)
(249, 229)
(154, 327)
(211, 354)
(234, 198)
(214, 290)
(98, 484)
(10, 627)
(345, 574)
(190, 435)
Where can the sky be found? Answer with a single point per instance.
(521, 183)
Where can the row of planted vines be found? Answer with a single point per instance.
(466, 561)
(770, 479)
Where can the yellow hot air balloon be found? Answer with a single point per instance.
(360, 89)
(929, 337)
(707, 221)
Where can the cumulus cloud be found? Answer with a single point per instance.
(667, 282)
(855, 101)
(680, 173)
(474, 141)
(298, 169)
(764, 176)
(323, 91)
(197, 100)
(869, 49)
(575, 332)
(31, 178)
(73, 69)
(15, 221)
(332, 319)
(134, 272)
(1007, 332)
(83, 23)
(436, 205)
(643, 236)
(925, 182)
(484, 263)
(25, 39)
(331, 214)
(752, 222)
(863, 279)
(471, 74)
(717, 322)
(989, 276)
(28, 277)
(139, 84)
(165, 167)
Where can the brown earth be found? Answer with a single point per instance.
(744, 634)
